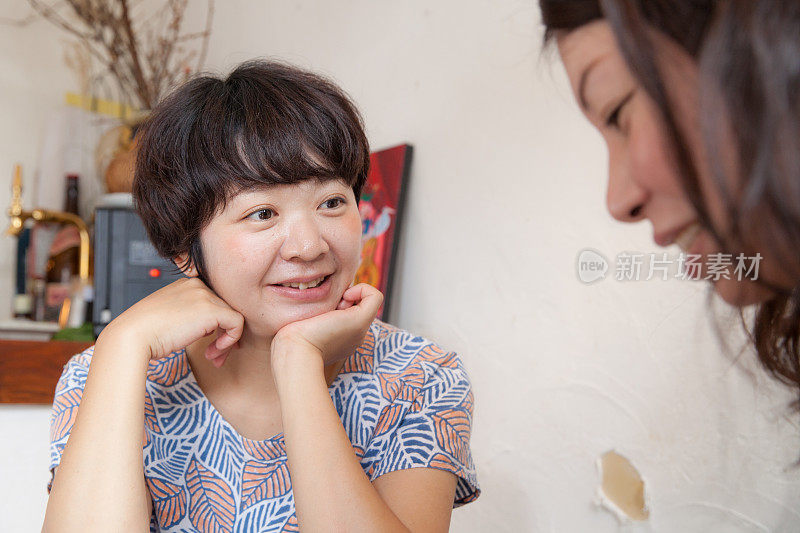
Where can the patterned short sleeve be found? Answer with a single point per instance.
(69, 390)
(429, 420)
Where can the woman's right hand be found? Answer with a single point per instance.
(177, 315)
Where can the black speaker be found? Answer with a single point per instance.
(126, 265)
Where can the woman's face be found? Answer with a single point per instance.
(284, 253)
(643, 182)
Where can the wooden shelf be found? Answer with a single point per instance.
(29, 370)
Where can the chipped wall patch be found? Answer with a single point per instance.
(621, 488)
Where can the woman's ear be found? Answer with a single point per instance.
(183, 263)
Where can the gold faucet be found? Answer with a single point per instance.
(19, 216)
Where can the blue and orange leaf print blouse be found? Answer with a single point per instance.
(403, 401)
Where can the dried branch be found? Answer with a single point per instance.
(144, 51)
(143, 89)
(205, 37)
(20, 23)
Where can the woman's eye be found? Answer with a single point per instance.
(333, 203)
(261, 214)
(613, 119)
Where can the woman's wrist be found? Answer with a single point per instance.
(292, 362)
(115, 342)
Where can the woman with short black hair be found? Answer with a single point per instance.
(268, 395)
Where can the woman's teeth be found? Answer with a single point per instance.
(687, 236)
(303, 286)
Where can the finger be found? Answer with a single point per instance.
(365, 297)
(344, 304)
(232, 323)
(223, 342)
(356, 292)
(212, 351)
(218, 361)
(360, 292)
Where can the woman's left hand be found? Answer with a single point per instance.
(331, 336)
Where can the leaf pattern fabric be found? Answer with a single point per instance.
(403, 401)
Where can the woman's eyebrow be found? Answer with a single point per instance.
(582, 83)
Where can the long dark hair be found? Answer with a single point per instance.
(748, 56)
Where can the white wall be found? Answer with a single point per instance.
(507, 186)
(33, 80)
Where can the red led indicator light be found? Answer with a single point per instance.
(155, 273)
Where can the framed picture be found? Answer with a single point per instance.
(381, 208)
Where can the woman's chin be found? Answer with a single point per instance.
(742, 293)
(261, 328)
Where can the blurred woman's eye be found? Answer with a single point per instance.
(261, 214)
(333, 203)
(613, 119)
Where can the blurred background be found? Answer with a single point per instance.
(506, 188)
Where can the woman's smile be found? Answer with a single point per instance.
(688, 236)
(304, 289)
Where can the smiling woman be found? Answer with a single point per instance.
(293, 249)
(264, 199)
(272, 399)
(698, 104)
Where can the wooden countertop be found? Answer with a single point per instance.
(29, 370)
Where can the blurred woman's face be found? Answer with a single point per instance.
(643, 182)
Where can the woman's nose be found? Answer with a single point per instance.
(303, 241)
(625, 198)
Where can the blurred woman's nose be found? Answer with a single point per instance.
(625, 198)
(304, 240)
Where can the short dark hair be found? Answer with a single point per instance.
(267, 123)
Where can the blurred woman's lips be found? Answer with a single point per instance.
(310, 291)
(686, 238)
(678, 235)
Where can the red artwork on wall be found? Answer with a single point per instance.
(381, 208)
